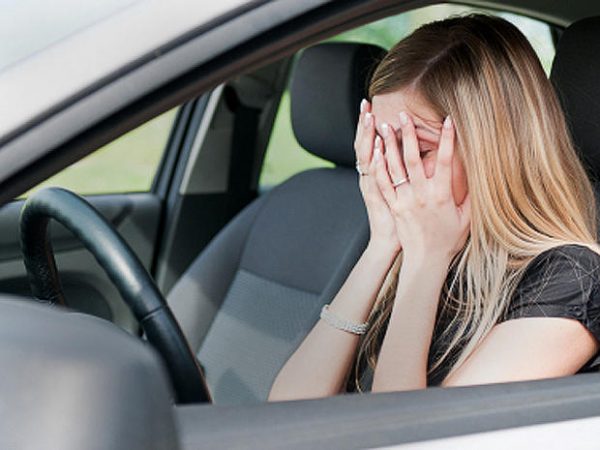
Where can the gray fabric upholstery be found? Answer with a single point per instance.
(258, 327)
(328, 84)
(249, 300)
(198, 295)
(306, 224)
(271, 269)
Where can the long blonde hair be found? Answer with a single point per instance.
(519, 159)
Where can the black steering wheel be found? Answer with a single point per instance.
(123, 268)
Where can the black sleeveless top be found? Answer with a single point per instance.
(563, 281)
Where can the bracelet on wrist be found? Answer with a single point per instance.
(341, 323)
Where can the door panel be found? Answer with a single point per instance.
(135, 216)
(359, 421)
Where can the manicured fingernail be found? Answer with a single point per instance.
(363, 105)
(377, 143)
(377, 153)
(448, 122)
(403, 118)
(368, 118)
(385, 130)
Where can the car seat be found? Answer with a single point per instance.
(574, 75)
(247, 302)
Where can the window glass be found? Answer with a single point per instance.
(285, 157)
(128, 164)
(387, 32)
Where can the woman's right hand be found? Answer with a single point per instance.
(384, 236)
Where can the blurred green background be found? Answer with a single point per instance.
(129, 163)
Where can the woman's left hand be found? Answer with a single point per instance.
(428, 222)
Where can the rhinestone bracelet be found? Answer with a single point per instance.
(342, 324)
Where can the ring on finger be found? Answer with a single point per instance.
(359, 170)
(395, 184)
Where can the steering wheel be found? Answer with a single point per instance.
(122, 267)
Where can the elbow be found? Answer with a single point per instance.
(279, 392)
(275, 396)
(274, 393)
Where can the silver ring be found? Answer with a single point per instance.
(399, 182)
(360, 172)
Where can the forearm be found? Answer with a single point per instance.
(402, 362)
(319, 366)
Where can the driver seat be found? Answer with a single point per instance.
(248, 301)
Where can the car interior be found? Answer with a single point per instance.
(289, 251)
(246, 267)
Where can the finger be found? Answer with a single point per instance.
(359, 124)
(365, 135)
(359, 129)
(465, 212)
(443, 166)
(392, 153)
(371, 186)
(381, 174)
(410, 147)
(371, 179)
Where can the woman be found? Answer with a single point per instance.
(482, 265)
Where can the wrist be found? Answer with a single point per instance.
(430, 259)
(435, 266)
(420, 282)
(379, 250)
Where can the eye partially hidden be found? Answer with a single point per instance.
(425, 153)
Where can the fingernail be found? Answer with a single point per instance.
(377, 153)
(368, 118)
(377, 143)
(385, 129)
(403, 118)
(363, 105)
(448, 122)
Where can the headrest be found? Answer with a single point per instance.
(576, 78)
(328, 84)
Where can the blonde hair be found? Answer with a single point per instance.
(519, 160)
